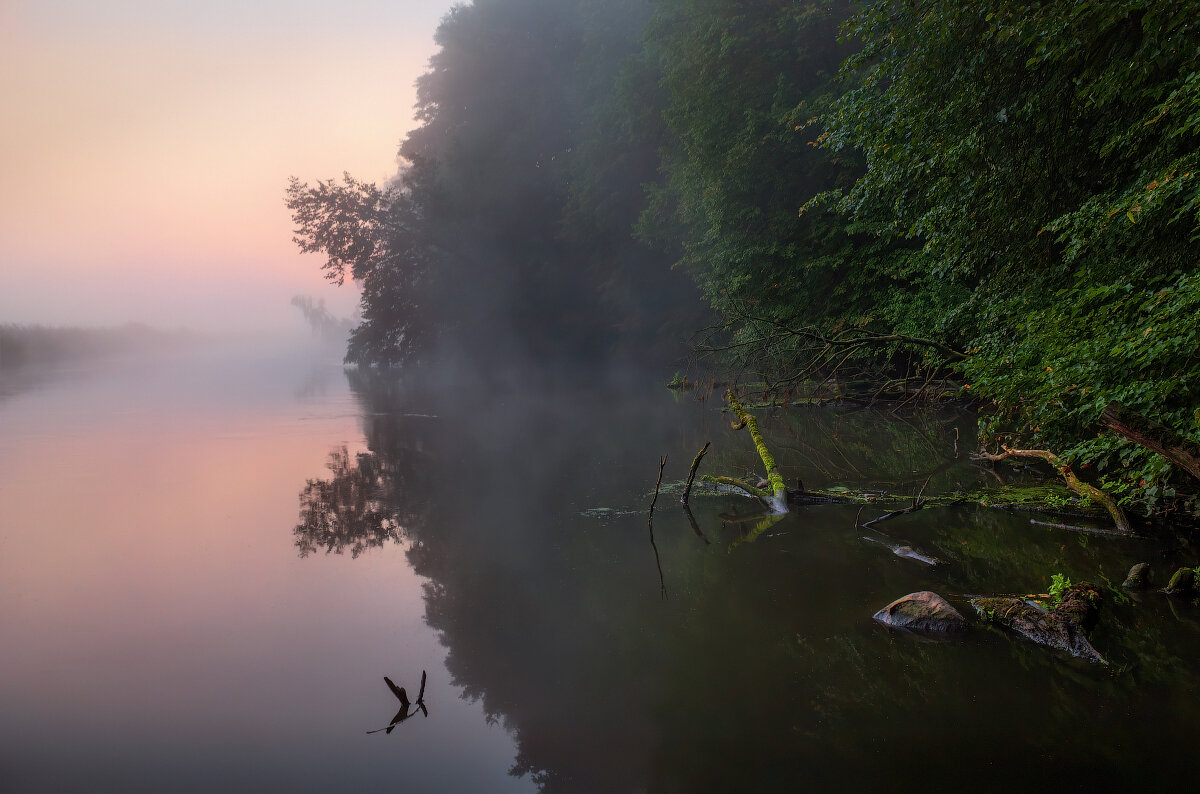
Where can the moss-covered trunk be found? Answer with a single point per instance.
(777, 488)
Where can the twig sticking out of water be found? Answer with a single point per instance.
(662, 464)
(687, 491)
(405, 704)
(916, 505)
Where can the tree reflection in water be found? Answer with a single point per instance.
(345, 511)
(377, 496)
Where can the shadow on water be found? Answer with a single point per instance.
(524, 507)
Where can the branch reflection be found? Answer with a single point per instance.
(407, 709)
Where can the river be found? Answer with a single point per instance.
(209, 562)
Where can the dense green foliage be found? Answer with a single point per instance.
(1046, 157)
(1007, 194)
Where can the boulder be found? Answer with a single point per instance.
(924, 611)
(1138, 578)
(1183, 582)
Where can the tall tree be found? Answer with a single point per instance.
(375, 236)
(494, 196)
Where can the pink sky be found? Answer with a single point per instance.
(145, 148)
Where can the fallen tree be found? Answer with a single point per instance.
(777, 490)
(771, 493)
(1073, 482)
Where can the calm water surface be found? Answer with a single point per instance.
(208, 564)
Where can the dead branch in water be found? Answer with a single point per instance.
(687, 491)
(405, 704)
(662, 464)
(917, 503)
(741, 485)
(1074, 528)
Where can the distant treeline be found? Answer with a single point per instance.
(896, 191)
(35, 344)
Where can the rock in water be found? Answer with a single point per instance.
(1138, 578)
(924, 611)
(1183, 582)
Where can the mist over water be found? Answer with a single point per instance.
(161, 632)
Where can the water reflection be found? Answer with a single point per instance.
(763, 671)
(346, 511)
(376, 496)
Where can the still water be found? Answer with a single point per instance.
(209, 563)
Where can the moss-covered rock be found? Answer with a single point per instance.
(1138, 577)
(1182, 583)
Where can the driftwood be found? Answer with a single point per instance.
(1073, 482)
(1153, 436)
(1063, 627)
(905, 551)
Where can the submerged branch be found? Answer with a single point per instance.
(741, 485)
(695, 526)
(762, 525)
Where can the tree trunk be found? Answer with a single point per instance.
(1154, 437)
(778, 490)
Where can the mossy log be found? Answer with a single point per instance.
(1063, 627)
(1073, 482)
(778, 489)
